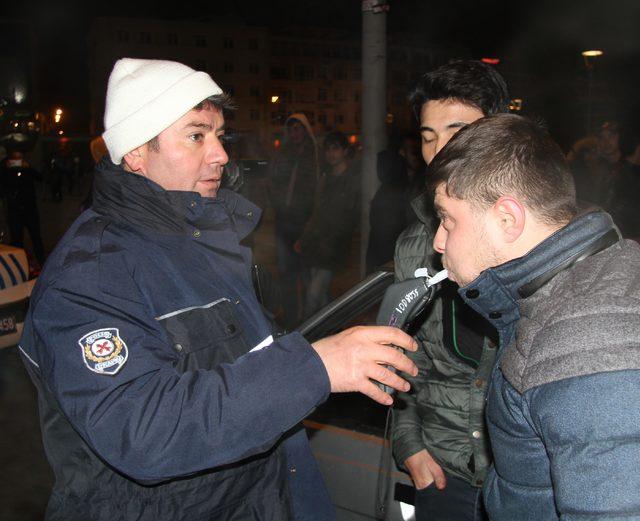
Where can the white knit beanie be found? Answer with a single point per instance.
(144, 97)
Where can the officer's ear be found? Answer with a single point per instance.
(134, 161)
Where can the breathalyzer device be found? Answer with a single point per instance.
(404, 301)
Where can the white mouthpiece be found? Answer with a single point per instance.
(421, 272)
(438, 277)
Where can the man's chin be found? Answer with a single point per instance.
(209, 189)
(454, 278)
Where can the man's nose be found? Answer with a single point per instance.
(440, 143)
(440, 239)
(217, 154)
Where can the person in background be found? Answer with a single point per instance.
(585, 167)
(294, 176)
(440, 436)
(18, 187)
(388, 211)
(326, 241)
(624, 203)
(609, 162)
(416, 171)
(62, 170)
(98, 150)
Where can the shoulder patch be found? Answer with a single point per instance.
(103, 351)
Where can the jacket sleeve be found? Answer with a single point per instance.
(148, 420)
(590, 427)
(407, 427)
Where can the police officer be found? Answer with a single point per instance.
(163, 393)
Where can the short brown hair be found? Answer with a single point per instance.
(222, 102)
(505, 154)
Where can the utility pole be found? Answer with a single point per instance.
(374, 106)
(589, 63)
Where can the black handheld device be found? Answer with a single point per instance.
(403, 302)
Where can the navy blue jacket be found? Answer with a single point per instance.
(562, 402)
(139, 340)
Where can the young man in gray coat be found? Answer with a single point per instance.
(562, 289)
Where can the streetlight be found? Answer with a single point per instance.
(58, 115)
(589, 63)
(592, 53)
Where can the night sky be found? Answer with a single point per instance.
(542, 38)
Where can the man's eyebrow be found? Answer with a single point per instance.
(194, 124)
(204, 126)
(426, 129)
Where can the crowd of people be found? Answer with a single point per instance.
(314, 189)
(163, 382)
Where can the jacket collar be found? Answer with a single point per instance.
(495, 292)
(140, 202)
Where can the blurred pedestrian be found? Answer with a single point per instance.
(18, 187)
(293, 179)
(596, 176)
(326, 241)
(416, 171)
(585, 168)
(388, 210)
(62, 168)
(624, 204)
(98, 150)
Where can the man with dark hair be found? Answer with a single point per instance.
(562, 290)
(439, 437)
(163, 394)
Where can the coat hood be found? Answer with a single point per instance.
(304, 121)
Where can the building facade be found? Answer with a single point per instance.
(269, 74)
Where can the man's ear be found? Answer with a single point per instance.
(510, 217)
(134, 161)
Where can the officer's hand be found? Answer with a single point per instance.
(424, 470)
(358, 355)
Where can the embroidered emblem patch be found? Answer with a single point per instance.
(103, 351)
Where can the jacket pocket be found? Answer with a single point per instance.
(205, 336)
